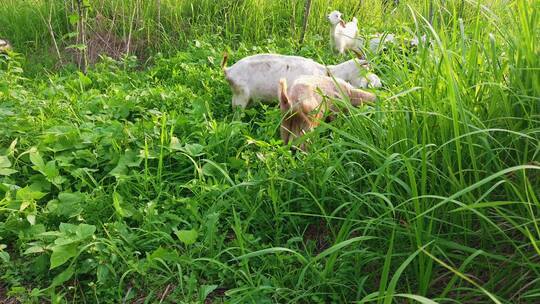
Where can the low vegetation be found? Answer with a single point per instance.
(136, 182)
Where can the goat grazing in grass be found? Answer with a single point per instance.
(257, 77)
(305, 103)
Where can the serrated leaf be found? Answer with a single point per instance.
(187, 237)
(61, 254)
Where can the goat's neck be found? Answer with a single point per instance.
(338, 70)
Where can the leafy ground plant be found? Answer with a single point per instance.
(137, 183)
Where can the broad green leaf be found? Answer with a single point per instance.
(205, 291)
(7, 171)
(84, 231)
(67, 204)
(85, 80)
(117, 203)
(4, 162)
(28, 194)
(102, 273)
(65, 240)
(71, 198)
(187, 237)
(4, 256)
(163, 254)
(50, 170)
(193, 149)
(34, 249)
(37, 160)
(12, 146)
(210, 169)
(62, 277)
(129, 159)
(67, 228)
(175, 144)
(62, 253)
(31, 219)
(24, 205)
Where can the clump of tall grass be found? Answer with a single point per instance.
(129, 184)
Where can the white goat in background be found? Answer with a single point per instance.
(343, 35)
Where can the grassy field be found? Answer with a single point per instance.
(136, 182)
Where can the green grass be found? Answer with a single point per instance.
(138, 183)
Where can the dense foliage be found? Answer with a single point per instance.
(137, 182)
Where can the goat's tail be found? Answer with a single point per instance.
(354, 20)
(224, 60)
(284, 100)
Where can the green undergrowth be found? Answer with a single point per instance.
(140, 184)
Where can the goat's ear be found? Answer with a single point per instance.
(342, 23)
(359, 97)
(284, 101)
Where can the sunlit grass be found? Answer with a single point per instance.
(430, 196)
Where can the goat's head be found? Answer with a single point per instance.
(297, 118)
(335, 17)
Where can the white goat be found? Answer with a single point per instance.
(414, 42)
(257, 77)
(380, 41)
(304, 105)
(343, 35)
